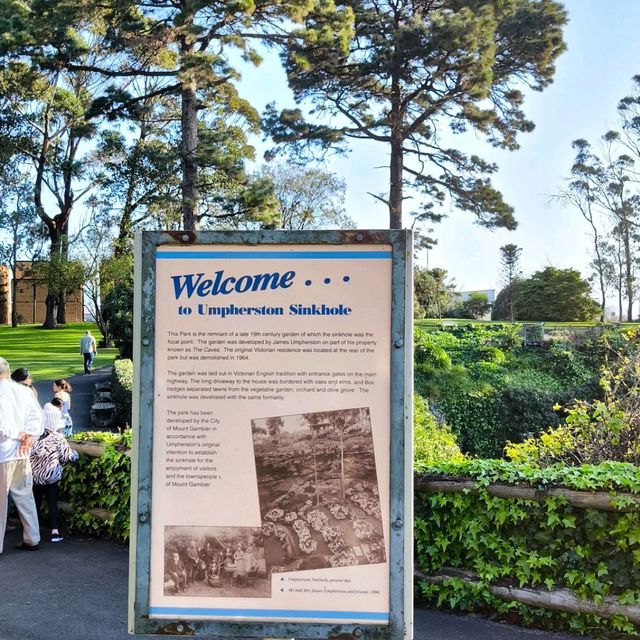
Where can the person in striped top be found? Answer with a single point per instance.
(48, 455)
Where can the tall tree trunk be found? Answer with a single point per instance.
(61, 315)
(190, 194)
(123, 243)
(14, 306)
(397, 156)
(63, 250)
(628, 274)
(603, 288)
(14, 283)
(51, 303)
(620, 278)
(395, 182)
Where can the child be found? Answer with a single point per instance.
(47, 456)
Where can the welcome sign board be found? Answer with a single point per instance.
(271, 489)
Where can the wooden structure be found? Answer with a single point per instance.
(30, 297)
(556, 599)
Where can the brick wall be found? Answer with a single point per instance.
(30, 299)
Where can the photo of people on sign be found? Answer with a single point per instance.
(215, 561)
(318, 490)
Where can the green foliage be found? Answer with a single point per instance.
(433, 291)
(58, 273)
(392, 81)
(555, 294)
(484, 421)
(505, 301)
(307, 197)
(596, 430)
(430, 350)
(476, 306)
(545, 544)
(121, 391)
(117, 309)
(433, 443)
(490, 389)
(99, 483)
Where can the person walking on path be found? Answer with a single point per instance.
(88, 349)
(20, 421)
(48, 455)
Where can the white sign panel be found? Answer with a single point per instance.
(271, 423)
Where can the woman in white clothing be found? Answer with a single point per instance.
(62, 390)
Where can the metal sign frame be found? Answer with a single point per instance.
(401, 480)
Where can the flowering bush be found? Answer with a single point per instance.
(275, 514)
(363, 530)
(369, 504)
(343, 559)
(281, 532)
(306, 543)
(317, 519)
(334, 538)
(339, 511)
(268, 529)
(375, 553)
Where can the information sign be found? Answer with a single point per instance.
(271, 481)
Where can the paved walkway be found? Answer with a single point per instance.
(77, 590)
(81, 395)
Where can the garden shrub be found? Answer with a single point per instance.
(566, 361)
(598, 430)
(99, 483)
(491, 389)
(540, 545)
(430, 350)
(484, 421)
(122, 390)
(432, 442)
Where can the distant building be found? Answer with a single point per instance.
(30, 298)
(490, 293)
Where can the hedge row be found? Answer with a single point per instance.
(122, 391)
(95, 490)
(472, 543)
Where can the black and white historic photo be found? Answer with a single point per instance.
(215, 561)
(318, 490)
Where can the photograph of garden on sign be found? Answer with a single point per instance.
(318, 490)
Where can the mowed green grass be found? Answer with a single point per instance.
(50, 353)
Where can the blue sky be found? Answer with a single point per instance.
(592, 75)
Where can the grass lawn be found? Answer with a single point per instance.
(50, 353)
